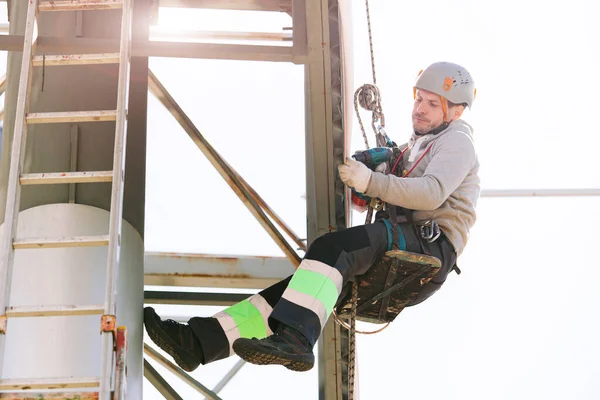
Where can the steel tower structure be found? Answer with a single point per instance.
(320, 41)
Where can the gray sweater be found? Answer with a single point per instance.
(444, 186)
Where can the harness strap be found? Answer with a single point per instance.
(396, 240)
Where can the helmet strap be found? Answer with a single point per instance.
(445, 108)
(434, 131)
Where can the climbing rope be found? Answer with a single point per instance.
(371, 42)
(352, 345)
(368, 95)
(347, 326)
(369, 98)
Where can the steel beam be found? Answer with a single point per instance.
(325, 149)
(162, 33)
(222, 167)
(229, 376)
(69, 45)
(539, 192)
(160, 383)
(194, 298)
(181, 374)
(179, 269)
(242, 5)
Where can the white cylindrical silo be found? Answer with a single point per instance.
(70, 346)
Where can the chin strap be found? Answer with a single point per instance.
(434, 131)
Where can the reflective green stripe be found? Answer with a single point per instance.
(315, 285)
(248, 320)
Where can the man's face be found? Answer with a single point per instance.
(427, 111)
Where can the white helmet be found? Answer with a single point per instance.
(451, 81)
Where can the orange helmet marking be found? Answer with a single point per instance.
(448, 84)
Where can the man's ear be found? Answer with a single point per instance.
(456, 112)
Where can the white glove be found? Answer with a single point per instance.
(355, 174)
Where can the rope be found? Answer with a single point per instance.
(371, 42)
(369, 98)
(368, 95)
(352, 349)
(345, 325)
(352, 344)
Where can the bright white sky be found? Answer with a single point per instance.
(521, 322)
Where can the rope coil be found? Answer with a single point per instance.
(369, 98)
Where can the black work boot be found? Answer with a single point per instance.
(176, 339)
(286, 347)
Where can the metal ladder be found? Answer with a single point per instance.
(113, 338)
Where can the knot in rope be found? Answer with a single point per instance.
(369, 98)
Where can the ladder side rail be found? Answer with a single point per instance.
(120, 392)
(13, 191)
(116, 204)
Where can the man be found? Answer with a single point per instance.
(438, 185)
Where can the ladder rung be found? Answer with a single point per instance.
(53, 311)
(76, 59)
(81, 5)
(85, 394)
(49, 383)
(72, 116)
(66, 177)
(53, 243)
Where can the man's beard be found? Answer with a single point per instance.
(429, 129)
(422, 130)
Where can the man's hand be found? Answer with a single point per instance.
(355, 175)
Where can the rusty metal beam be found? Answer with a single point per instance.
(220, 165)
(181, 374)
(181, 269)
(3, 84)
(161, 33)
(270, 212)
(237, 5)
(193, 298)
(159, 382)
(327, 77)
(49, 396)
(243, 5)
(65, 45)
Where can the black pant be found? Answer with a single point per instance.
(351, 252)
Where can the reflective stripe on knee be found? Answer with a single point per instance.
(247, 319)
(315, 286)
(229, 327)
(308, 302)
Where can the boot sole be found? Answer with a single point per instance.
(261, 356)
(163, 341)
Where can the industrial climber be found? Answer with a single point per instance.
(434, 184)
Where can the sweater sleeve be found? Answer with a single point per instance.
(452, 157)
